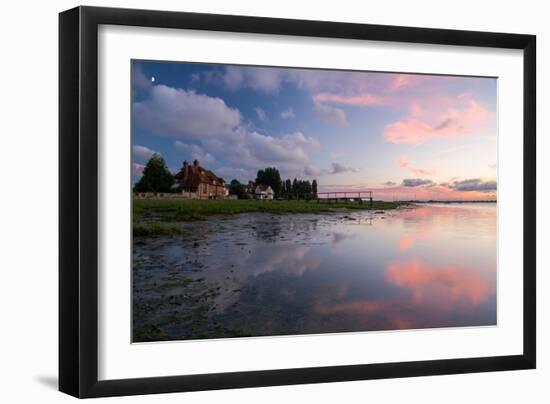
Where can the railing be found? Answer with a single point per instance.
(345, 196)
(334, 197)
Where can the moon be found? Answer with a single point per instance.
(153, 79)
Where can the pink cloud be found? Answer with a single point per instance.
(404, 162)
(404, 80)
(432, 293)
(137, 169)
(439, 117)
(378, 92)
(426, 282)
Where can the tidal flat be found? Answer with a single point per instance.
(267, 273)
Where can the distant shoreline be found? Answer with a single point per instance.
(449, 202)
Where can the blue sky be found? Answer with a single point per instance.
(394, 133)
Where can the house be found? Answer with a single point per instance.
(200, 182)
(263, 192)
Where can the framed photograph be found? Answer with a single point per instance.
(251, 201)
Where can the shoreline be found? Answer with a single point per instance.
(160, 217)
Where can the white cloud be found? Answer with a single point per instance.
(267, 80)
(289, 153)
(331, 115)
(313, 171)
(233, 77)
(270, 80)
(335, 168)
(243, 175)
(195, 151)
(474, 184)
(261, 114)
(417, 182)
(338, 168)
(142, 153)
(338, 154)
(139, 80)
(185, 114)
(209, 130)
(288, 114)
(288, 148)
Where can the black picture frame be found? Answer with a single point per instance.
(78, 201)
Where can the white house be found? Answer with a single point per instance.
(263, 192)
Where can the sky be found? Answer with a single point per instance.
(403, 136)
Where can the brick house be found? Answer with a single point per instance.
(203, 183)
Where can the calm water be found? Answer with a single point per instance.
(263, 274)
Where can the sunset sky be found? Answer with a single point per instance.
(400, 135)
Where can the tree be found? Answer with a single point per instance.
(156, 177)
(300, 189)
(288, 187)
(295, 190)
(259, 177)
(270, 176)
(238, 189)
(306, 189)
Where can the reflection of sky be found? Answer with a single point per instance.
(433, 266)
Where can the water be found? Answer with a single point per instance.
(263, 274)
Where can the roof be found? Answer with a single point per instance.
(192, 175)
(264, 188)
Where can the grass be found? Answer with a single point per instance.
(192, 210)
(155, 229)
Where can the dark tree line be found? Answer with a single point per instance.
(299, 189)
(288, 189)
(157, 178)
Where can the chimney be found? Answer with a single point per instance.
(196, 163)
(185, 164)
